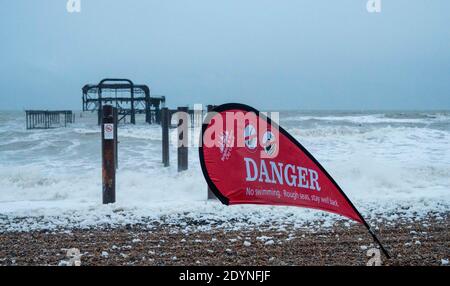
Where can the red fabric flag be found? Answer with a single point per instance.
(248, 159)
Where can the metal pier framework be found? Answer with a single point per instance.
(129, 99)
(46, 119)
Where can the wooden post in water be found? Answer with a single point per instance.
(211, 195)
(108, 155)
(183, 138)
(116, 136)
(165, 122)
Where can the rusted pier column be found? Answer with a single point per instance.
(183, 138)
(133, 112)
(211, 195)
(165, 122)
(108, 155)
(116, 135)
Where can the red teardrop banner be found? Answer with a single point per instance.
(248, 159)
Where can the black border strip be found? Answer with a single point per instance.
(225, 200)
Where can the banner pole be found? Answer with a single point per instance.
(377, 241)
(374, 236)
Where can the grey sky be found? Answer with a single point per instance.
(317, 54)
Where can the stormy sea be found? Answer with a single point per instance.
(390, 164)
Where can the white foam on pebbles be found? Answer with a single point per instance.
(194, 216)
(269, 242)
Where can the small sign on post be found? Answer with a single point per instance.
(109, 131)
(109, 138)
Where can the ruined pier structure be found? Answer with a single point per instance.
(129, 99)
(45, 119)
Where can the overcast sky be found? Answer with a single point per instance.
(317, 54)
